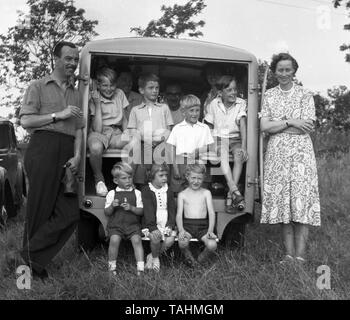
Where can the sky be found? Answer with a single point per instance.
(311, 30)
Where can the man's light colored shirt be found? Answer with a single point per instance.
(187, 137)
(226, 120)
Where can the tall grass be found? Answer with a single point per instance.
(250, 273)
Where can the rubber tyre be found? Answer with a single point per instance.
(234, 235)
(87, 233)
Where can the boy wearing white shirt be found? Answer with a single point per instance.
(188, 138)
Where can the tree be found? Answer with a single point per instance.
(344, 47)
(26, 51)
(176, 21)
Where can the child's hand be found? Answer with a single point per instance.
(167, 231)
(184, 235)
(243, 154)
(126, 206)
(115, 203)
(211, 235)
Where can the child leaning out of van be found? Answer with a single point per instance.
(226, 114)
(159, 214)
(195, 216)
(106, 108)
(124, 209)
(149, 122)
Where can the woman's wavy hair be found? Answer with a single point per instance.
(280, 57)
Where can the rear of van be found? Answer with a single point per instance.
(174, 61)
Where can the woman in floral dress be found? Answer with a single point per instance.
(290, 174)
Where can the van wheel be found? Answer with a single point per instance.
(87, 235)
(9, 204)
(234, 235)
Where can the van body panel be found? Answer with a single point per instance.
(193, 49)
(170, 50)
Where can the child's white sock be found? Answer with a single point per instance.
(112, 265)
(140, 266)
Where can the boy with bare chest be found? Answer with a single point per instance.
(195, 215)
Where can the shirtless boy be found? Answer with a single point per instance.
(195, 215)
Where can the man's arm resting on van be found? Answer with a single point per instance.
(39, 120)
(74, 162)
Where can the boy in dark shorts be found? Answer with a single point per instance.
(124, 208)
(195, 215)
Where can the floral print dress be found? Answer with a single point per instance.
(290, 172)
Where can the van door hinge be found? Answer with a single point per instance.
(252, 87)
(253, 181)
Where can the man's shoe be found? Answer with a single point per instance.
(101, 189)
(43, 275)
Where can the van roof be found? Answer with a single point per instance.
(182, 48)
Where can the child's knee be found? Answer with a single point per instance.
(114, 240)
(183, 244)
(136, 240)
(169, 241)
(95, 147)
(211, 245)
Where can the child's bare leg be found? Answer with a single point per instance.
(226, 170)
(301, 235)
(96, 149)
(237, 170)
(117, 142)
(138, 248)
(155, 245)
(288, 239)
(167, 243)
(210, 247)
(184, 246)
(113, 250)
(138, 251)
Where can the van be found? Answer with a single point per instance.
(182, 61)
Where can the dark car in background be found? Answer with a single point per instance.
(12, 177)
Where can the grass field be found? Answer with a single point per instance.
(250, 273)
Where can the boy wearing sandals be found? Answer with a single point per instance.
(227, 114)
(195, 216)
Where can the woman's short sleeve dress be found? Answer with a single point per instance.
(290, 172)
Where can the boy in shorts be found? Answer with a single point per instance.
(106, 108)
(124, 209)
(227, 114)
(188, 140)
(149, 122)
(195, 216)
